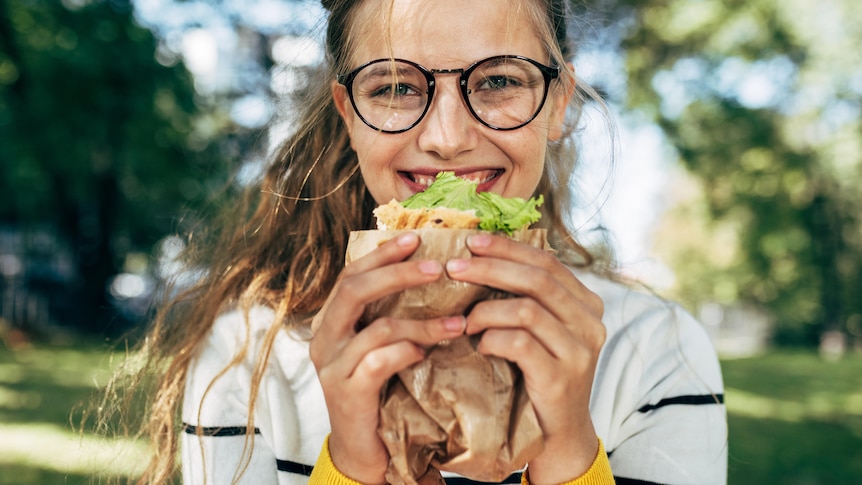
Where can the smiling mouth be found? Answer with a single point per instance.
(478, 177)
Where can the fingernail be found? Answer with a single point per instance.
(479, 241)
(407, 239)
(455, 324)
(456, 265)
(429, 267)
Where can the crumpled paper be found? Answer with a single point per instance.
(456, 410)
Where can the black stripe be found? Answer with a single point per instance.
(300, 469)
(513, 478)
(685, 400)
(218, 431)
(293, 467)
(633, 481)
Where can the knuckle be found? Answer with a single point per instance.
(383, 328)
(374, 363)
(528, 312)
(520, 342)
(598, 336)
(349, 289)
(596, 303)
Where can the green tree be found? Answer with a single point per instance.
(101, 144)
(761, 100)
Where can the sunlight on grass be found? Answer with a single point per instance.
(823, 407)
(52, 447)
(794, 419)
(11, 399)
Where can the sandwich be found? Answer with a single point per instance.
(453, 203)
(457, 410)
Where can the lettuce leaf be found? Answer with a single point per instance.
(495, 212)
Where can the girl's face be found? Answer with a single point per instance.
(449, 34)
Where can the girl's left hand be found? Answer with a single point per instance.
(552, 329)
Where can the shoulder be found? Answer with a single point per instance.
(658, 393)
(231, 350)
(646, 316)
(650, 336)
(240, 335)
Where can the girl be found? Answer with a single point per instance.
(263, 360)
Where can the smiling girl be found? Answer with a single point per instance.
(263, 360)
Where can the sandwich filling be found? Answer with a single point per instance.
(453, 203)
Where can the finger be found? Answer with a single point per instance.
(523, 270)
(500, 247)
(367, 375)
(522, 348)
(519, 313)
(393, 250)
(507, 248)
(558, 338)
(515, 278)
(380, 364)
(387, 331)
(549, 374)
(347, 300)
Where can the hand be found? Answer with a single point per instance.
(353, 366)
(552, 330)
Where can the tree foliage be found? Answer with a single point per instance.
(761, 100)
(101, 145)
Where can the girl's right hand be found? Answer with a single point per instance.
(353, 366)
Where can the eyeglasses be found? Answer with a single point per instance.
(502, 92)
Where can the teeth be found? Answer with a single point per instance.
(423, 180)
(428, 180)
(477, 180)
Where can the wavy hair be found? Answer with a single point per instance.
(282, 244)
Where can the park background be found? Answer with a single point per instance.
(734, 189)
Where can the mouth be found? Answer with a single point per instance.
(482, 178)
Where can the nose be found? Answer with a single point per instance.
(448, 129)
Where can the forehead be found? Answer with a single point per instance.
(444, 33)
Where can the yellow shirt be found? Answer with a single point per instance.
(325, 473)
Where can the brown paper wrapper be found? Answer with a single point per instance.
(456, 410)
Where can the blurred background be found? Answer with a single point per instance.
(734, 185)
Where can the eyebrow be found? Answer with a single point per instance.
(385, 70)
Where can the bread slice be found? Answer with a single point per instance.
(393, 216)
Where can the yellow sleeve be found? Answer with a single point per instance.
(599, 472)
(325, 473)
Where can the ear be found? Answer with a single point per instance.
(343, 106)
(560, 99)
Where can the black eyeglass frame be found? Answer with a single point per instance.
(549, 73)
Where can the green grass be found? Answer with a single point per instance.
(43, 392)
(793, 418)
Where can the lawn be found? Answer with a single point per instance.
(43, 393)
(794, 418)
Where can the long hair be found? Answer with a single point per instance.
(282, 245)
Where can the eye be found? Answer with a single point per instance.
(498, 82)
(394, 90)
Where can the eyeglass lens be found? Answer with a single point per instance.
(503, 93)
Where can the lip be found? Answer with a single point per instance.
(419, 180)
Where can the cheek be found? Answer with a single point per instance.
(527, 154)
(374, 150)
(378, 155)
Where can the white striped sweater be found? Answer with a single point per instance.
(656, 401)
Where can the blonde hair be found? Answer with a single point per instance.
(283, 245)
